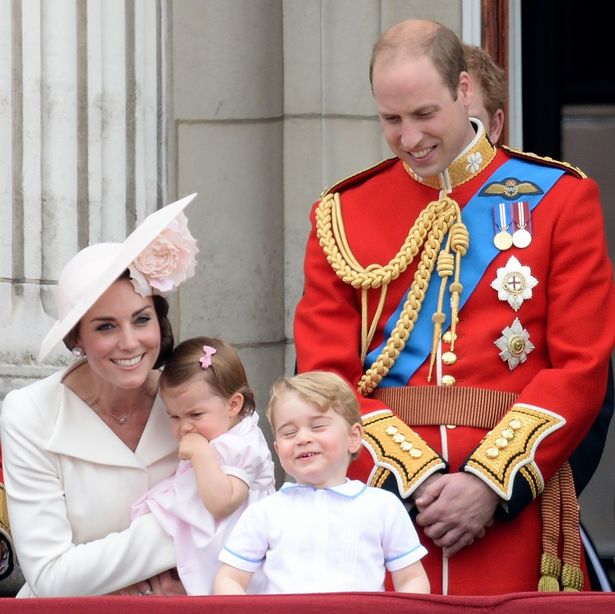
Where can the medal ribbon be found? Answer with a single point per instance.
(521, 215)
(477, 216)
(500, 214)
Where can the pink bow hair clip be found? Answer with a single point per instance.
(205, 360)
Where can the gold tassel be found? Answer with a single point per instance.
(550, 564)
(460, 242)
(573, 579)
(560, 518)
(445, 268)
(550, 567)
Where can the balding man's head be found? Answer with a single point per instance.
(418, 37)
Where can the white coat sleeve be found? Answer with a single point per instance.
(52, 564)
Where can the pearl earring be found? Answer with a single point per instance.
(78, 352)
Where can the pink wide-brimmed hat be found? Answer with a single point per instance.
(159, 253)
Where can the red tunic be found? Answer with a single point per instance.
(569, 318)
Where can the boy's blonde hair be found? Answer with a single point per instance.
(322, 390)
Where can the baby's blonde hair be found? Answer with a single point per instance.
(322, 390)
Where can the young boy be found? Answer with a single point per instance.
(325, 533)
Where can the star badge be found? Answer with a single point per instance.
(514, 283)
(514, 344)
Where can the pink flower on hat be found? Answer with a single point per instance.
(167, 261)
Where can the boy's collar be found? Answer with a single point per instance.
(350, 488)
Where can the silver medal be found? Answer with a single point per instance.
(514, 344)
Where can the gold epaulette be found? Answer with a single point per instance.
(359, 176)
(396, 448)
(525, 155)
(509, 449)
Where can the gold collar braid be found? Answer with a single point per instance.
(463, 168)
(428, 232)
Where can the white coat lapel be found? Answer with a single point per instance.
(80, 433)
(157, 441)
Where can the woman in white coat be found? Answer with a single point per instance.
(80, 446)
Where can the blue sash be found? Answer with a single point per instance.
(478, 217)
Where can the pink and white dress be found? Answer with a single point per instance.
(198, 536)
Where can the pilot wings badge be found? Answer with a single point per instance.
(510, 188)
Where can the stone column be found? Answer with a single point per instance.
(82, 149)
(228, 110)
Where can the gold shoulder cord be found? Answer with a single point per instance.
(428, 232)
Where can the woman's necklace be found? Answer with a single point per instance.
(123, 418)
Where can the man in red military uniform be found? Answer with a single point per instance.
(466, 291)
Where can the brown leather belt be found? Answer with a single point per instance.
(435, 405)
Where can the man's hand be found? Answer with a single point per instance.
(423, 495)
(454, 510)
